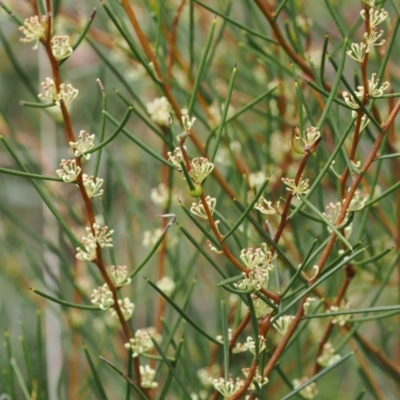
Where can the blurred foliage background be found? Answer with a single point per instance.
(46, 339)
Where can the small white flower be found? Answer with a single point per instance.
(220, 338)
(307, 304)
(282, 324)
(67, 94)
(328, 356)
(61, 47)
(93, 185)
(127, 308)
(374, 89)
(201, 168)
(376, 16)
(176, 157)
(160, 195)
(34, 29)
(373, 39)
(251, 344)
(50, 91)
(240, 348)
(120, 275)
(310, 391)
(101, 235)
(357, 51)
(265, 207)
(150, 238)
(103, 297)
(257, 378)
(141, 342)
(166, 284)
(159, 111)
(255, 257)
(255, 280)
(296, 189)
(227, 388)
(83, 144)
(208, 374)
(69, 170)
(187, 122)
(340, 319)
(261, 308)
(310, 137)
(89, 253)
(198, 208)
(348, 98)
(147, 377)
(256, 179)
(213, 248)
(358, 201)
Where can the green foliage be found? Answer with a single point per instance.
(230, 153)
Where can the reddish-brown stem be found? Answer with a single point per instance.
(87, 201)
(278, 351)
(174, 29)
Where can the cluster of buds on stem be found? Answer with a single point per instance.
(34, 29)
(160, 111)
(66, 93)
(69, 171)
(141, 341)
(308, 140)
(84, 143)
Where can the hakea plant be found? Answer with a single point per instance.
(237, 223)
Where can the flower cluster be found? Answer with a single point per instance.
(93, 185)
(61, 47)
(256, 257)
(208, 374)
(127, 308)
(160, 111)
(99, 235)
(296, 189)
(66, 93)
(120, 275)
(283, 323)
(141, 342)
(166, 284)
(307, 304)
(251, 344)
(257, 378)
(198, 208)
(201, 168)
(256, 179)
(266, 207)
(102, 297)
(332, 211)
(147, 375)
(309, 139)
(227, 387)
(375, 17)
(69, 171)
(160, 195)
(258, 262)
(176, 157)
(328, 356)
(187, 122)
(261, 308)
(310, 391)
(34, 29)
(343, 318)
(83, 144)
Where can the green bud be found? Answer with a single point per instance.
(197, 191)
